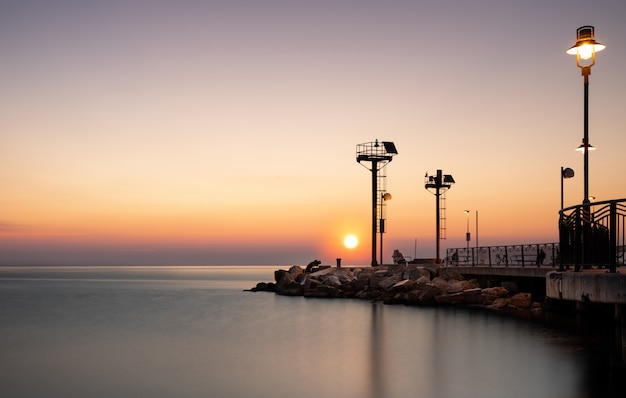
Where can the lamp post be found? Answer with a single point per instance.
(385, 197)
(379, 155)
(467, 234)
(565, 173)
(585, 50)
(476, 239)
(440, 183)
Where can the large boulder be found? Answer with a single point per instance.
(295, 270)
(323, 291)
(331, 280)
(442, 284)
(388, 282)
(500, 303)
(450, 274)
(264, 287)
(472, 296)
(414, 272)
(404, 286)
(427, 293)
(522, 300)
(492, 293)
(286, 284)
(451, 298)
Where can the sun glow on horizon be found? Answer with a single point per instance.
(350, 241)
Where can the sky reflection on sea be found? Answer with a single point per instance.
(195, 333)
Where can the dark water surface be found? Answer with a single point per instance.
(192, 332)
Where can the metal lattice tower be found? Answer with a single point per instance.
(379, 155)
(440, 183)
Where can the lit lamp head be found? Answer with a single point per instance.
(387, 196)
(582, 146)
(568, 173)
(586, 47)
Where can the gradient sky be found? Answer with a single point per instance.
(224, 132)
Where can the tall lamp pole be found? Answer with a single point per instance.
(379, 154)
(440, 183)
(585, 50)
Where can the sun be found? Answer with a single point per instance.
(350, 241)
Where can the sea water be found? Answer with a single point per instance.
(194, 332)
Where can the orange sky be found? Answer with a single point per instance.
(225, 132)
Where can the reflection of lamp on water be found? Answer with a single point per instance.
(385, 197)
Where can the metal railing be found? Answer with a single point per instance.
(590, 235)
(533, 254)
(593, 234)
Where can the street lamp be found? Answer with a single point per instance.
(440, 183)
(379, 154)
(565, 173)
(385, 197)
(585, 50)
(467, 234)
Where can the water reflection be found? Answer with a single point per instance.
(377, 362)
(189, 336)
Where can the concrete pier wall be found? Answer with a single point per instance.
(595, 287)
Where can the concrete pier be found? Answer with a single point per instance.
(594, 286)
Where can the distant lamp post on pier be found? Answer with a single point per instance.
(565, 174)
(467, 234)
(440, 183)
(384, 198)
(379, 154)
(585, 50)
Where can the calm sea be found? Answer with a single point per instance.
(193, 332)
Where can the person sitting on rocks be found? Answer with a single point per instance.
(397, 257)
(312, 264)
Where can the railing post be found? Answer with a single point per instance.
(577, 239)
(537, 258)
(612, 237)
(506, 257)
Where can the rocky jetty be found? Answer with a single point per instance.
(409, 284)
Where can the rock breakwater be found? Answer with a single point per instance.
(410, 284)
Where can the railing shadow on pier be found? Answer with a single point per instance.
(590, 235)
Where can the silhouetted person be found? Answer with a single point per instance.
(540, 257)
(397, 257)
(312, 264)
